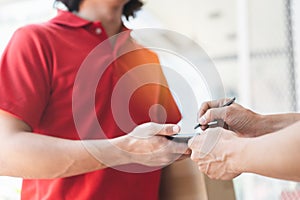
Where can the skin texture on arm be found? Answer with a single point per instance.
(29, 155)
(274, 155)
(272, 123)
(243, 121)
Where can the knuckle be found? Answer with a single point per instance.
(167, 130)
(229, 112)
(211, 176)
(208, 115)
(204, 105)
(194, 157)
(203, 108)
(202, 168)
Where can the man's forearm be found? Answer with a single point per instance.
(30, 155)
(271, 123)
(34, 156)
(274, 155)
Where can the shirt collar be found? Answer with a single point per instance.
(70, 19)
(67, 18)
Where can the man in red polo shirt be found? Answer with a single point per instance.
(41, 141)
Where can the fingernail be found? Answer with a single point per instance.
(176, 129)
(202, 120)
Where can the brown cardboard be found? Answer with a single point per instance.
(183, 181)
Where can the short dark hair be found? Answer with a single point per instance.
(129, 10)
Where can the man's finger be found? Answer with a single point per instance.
(169, 129)
(211, 104)
(212, 114)
(196, 156)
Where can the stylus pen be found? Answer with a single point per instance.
(215, 122)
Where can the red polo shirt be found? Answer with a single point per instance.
(37, 74)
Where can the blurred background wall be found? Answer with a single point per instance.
(254, 44)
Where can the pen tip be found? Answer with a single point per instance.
(197, 126)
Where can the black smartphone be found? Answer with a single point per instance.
(184, 138)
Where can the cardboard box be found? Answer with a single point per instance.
(183, 181)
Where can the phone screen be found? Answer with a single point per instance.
(182, 137)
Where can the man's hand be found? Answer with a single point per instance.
(217, 152)
(237, 118)
(147, 145)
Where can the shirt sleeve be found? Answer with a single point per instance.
(25, 75)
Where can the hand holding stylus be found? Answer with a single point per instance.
(202, 121)
(236, 117)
